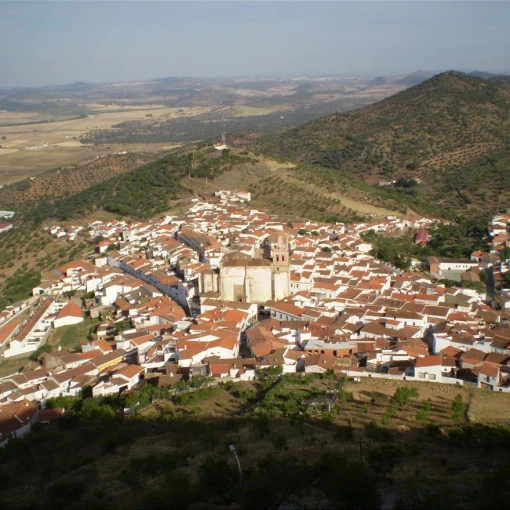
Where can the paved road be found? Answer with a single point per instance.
(491, 291)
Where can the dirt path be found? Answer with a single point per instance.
(283, 170)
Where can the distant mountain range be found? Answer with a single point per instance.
(415, 78)
(450, 133)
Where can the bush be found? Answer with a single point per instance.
(423, 414)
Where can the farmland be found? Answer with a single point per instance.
(29, 149)
(52, 127)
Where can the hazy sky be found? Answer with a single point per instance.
(63, 42)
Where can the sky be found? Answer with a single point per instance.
(43, 43)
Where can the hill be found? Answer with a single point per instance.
(415, 78)
(67, 181)
(447, 138)
(141, 192)
(368, 448)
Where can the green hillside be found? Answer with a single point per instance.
(450, 133)
(379, 445)
(140, 193)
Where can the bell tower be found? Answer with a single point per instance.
(280, 254)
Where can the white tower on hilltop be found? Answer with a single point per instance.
(223, 145)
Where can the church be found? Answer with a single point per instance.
(259, 279)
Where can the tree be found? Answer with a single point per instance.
(261, 425)
(218, 478)
(458, 408)
(92, 408)
(403, 395)
(347, 485)
(384, 459)
(269, 374)
(423, 414)
(280, 442)
(274, 480)
(198, 381)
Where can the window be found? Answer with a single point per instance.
(432, 376)
(421, 375)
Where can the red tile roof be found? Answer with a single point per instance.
(429, 361)
(70, 310)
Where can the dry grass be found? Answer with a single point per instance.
(388, 387)
(489, 407)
